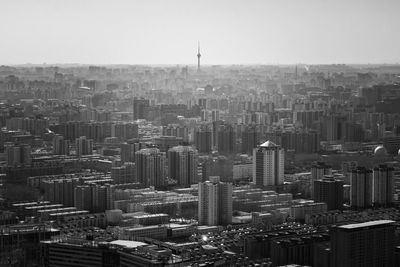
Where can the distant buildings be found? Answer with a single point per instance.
(383, 186)
(124, 131)
(372, 187)
(139, 106)
(361, 188)
(129, 149)
(318, 171)
(215, 202)
(93, 198)
(60, 146)
(330, 191)
(151, 167)
(140, 180)
(250, 138)
(124, 174)
(18, 155)
(335, 127)
(83, 146)
(35, 126)
(183, 165)
(226, 140)
(176, 130)
(97, 130)
(203, 140)
(268, 165)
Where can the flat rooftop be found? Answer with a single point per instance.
(366, 224)
(128, 244)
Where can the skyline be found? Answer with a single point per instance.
(260, 32)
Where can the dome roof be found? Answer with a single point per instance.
(398, 152)
(268, 144)
(380, 151)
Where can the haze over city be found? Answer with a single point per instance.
(230, 32)
(224, 133)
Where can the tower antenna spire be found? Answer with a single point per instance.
(198, 56)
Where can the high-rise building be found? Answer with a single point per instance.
(84, 146)
(215, 127)
(94, 198)
(203, 140)
(361, 188)
(215, 202)
(250, 138)
(150, 167)
(318, 171)
(124, 174)
(215, 115)
(383, 185)
(127, 152)
(139, 106)
(129, 149)
(335, 127)
(18, 155)
(183, 165)
(35, 126)
(226, 139)
(83, 197)
(101, 198)
(124, 131)
(268, 164)
(363, 244)
(330, 191)
(60, 146)
(176, 130)
(202, 102)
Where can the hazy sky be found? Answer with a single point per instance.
(230, 31)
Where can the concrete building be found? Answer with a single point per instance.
(139, 106)
(361, 188)
(383, 186)
(18, 155)
(93, 198)
(330, 191)
(183, 164)
(268, 165)
(60, 146)
(215, 202)
(318, 171)
(150, 167)
(203, 140)
(363, 244)
(129, 149)
(84, 146)
(124, 174)
(226, 140)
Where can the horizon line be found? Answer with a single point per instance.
(195, 65)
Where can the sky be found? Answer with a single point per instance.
(229, 31)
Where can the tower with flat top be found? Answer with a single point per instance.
(198, 58)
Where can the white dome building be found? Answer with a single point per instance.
(380, 151)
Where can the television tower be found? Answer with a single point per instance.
(198, 57)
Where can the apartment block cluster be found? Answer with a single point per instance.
(223, 166)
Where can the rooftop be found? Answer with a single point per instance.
(366, 224)
(268, 144)
(127, 243)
